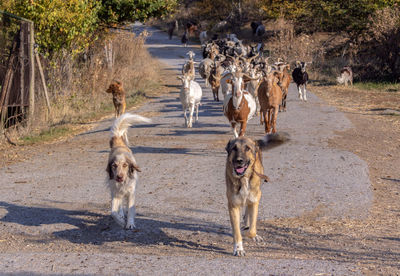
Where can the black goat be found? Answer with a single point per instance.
(254, 26)
(185, 38)
(300, 77)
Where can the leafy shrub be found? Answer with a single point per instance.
(60, 24)
(120, 11)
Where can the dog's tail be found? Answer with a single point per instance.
(121, 125)
(273, 140)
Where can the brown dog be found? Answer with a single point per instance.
(119, 100)
(243, 175)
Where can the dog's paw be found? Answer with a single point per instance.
(257, 238)
(130, 226)
(239, 253)
(238, 250)
(120, 220)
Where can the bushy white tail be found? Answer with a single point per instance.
(121, 124)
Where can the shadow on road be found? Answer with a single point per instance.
(95, 228)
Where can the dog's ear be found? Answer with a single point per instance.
(109, 170)
(229, 146)
(272, 140)
(133, 167)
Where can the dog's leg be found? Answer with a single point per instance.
(116, 211)
(246, 219)
(252, 209)
(130, 222)
(234, 214)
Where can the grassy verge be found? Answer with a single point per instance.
(378, 86)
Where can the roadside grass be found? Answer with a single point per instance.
(63, 129)
(50, 134)
(378, 86)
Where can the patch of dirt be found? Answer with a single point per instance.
(372, 243)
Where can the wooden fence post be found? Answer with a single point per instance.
(32, 74)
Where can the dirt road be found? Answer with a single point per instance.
(54, 208)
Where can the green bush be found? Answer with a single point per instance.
(60, 24)
(120, 11)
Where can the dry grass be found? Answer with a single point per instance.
(77, 86)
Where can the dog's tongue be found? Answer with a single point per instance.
(240, 170)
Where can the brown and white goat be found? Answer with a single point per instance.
(270, 97)
(346, 76)
(240, 106)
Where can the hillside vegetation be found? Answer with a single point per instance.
(361, 33)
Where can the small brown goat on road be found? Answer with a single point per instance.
(118, 94)
(270, 97)
(284, 82)
(215, 79)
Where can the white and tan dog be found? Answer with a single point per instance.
(122, 171)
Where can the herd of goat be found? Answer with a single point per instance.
(248, 83)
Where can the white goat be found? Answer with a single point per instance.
(346, 76)
(188, 66)
(190, 98)
(203, 37)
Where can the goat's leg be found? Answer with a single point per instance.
(184, 115)
(197, 112)
(191, 110)
(274, 117)
(257, 106)
(267, 121)
(243, 127)
(234, 130)
(305, 92)
(262, 117)
(300, 94)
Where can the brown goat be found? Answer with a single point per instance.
(118, 94)
(284, 82)
(270, 97)
(215, 80)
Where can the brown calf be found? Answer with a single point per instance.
(270, 97)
